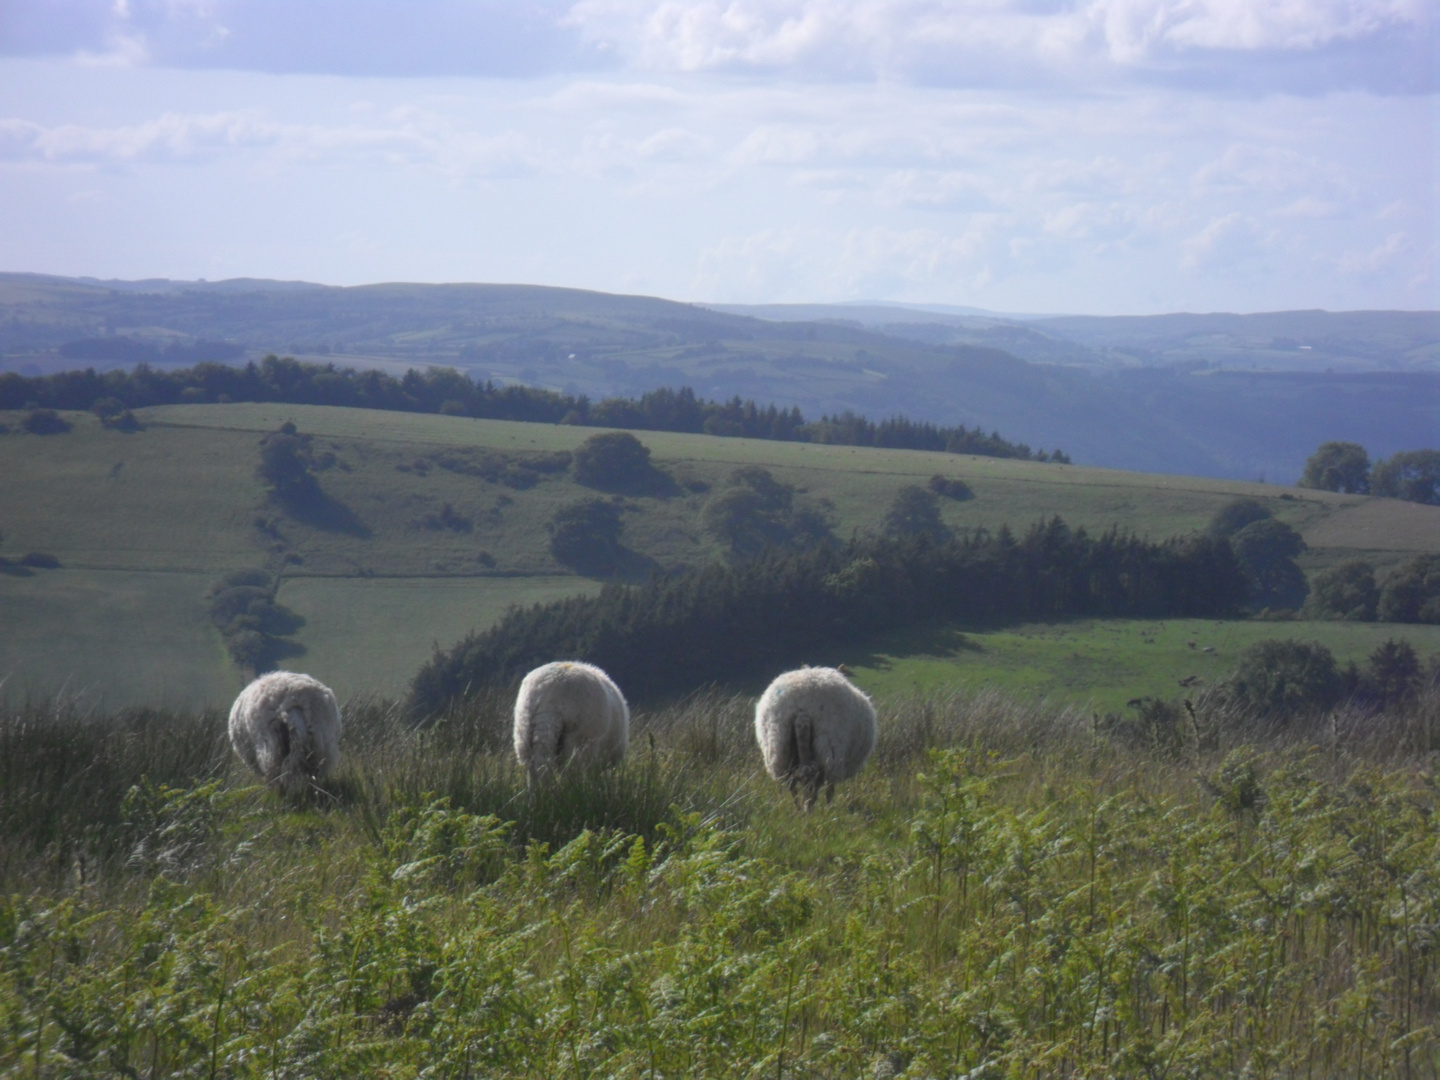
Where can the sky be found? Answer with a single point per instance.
(1041, 156)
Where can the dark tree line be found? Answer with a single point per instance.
(722, 622)
(1409, 594)
(445, 390)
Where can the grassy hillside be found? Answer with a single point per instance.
(143, 522)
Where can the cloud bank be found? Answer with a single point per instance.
(1298, 45)
(1081, 155)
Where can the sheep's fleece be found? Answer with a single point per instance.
(570, 711)
(286, 727)
(814, 728)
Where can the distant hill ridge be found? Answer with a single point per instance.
(440, 390)
(1175, 393)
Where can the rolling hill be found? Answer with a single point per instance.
(143, 523)
(1239, 397)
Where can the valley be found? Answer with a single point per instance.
(1229, 396)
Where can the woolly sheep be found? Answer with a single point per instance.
(569, 711)
(286, 727)
(814, 728)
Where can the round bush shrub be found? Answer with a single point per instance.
(1279, 679)
(46, 422)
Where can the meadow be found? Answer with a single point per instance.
(1100, 664)
(381, 584)
(1006, 891)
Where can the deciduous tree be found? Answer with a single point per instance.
(1347, 592)
(1413, 475)
(1338, 466)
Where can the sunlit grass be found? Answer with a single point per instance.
(1100, 663)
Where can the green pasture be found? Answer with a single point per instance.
(860, 481)
(380, 583)
(364, 636)
(182, 494)
(147, 500)
(1097, 663)
(111, 638)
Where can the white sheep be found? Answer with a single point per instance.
(814, 728)
(569, 711)
(286, 727)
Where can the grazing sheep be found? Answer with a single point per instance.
(814, 728)
(286, 727)
(569, 711)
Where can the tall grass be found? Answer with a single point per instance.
(1007, 890)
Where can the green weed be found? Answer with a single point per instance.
(1006, 891)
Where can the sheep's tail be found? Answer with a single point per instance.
(295, 767)
(806, 773)
(546, 742)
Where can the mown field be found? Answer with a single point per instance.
(1005, 891)
(379, 582)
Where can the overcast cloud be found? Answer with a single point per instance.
(1116, 156)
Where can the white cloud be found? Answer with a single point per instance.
(587, 95)
(673, 144)
(122, 50)
(1377, 258)
(756, 187)
(1246, 169)
(1101, 176)
(776, 145)
(171, 136)
(960, 41)
(1309, 207)
(1225, 242)
(770, 265)
(938, 190)
(1135, 28)
(411, 137)
(1204, 44)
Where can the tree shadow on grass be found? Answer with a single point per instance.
(944, 642)
(649, 482)
(618, 563)
(311, 506)
(632, 567)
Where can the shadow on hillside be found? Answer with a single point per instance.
(318, 510)
(650, 483)
(942, 642)
(617, 564)
(633, 567)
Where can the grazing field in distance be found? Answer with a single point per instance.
(389, 572)
(1101, 663)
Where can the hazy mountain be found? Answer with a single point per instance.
(1346, 341)
(1220, 395)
